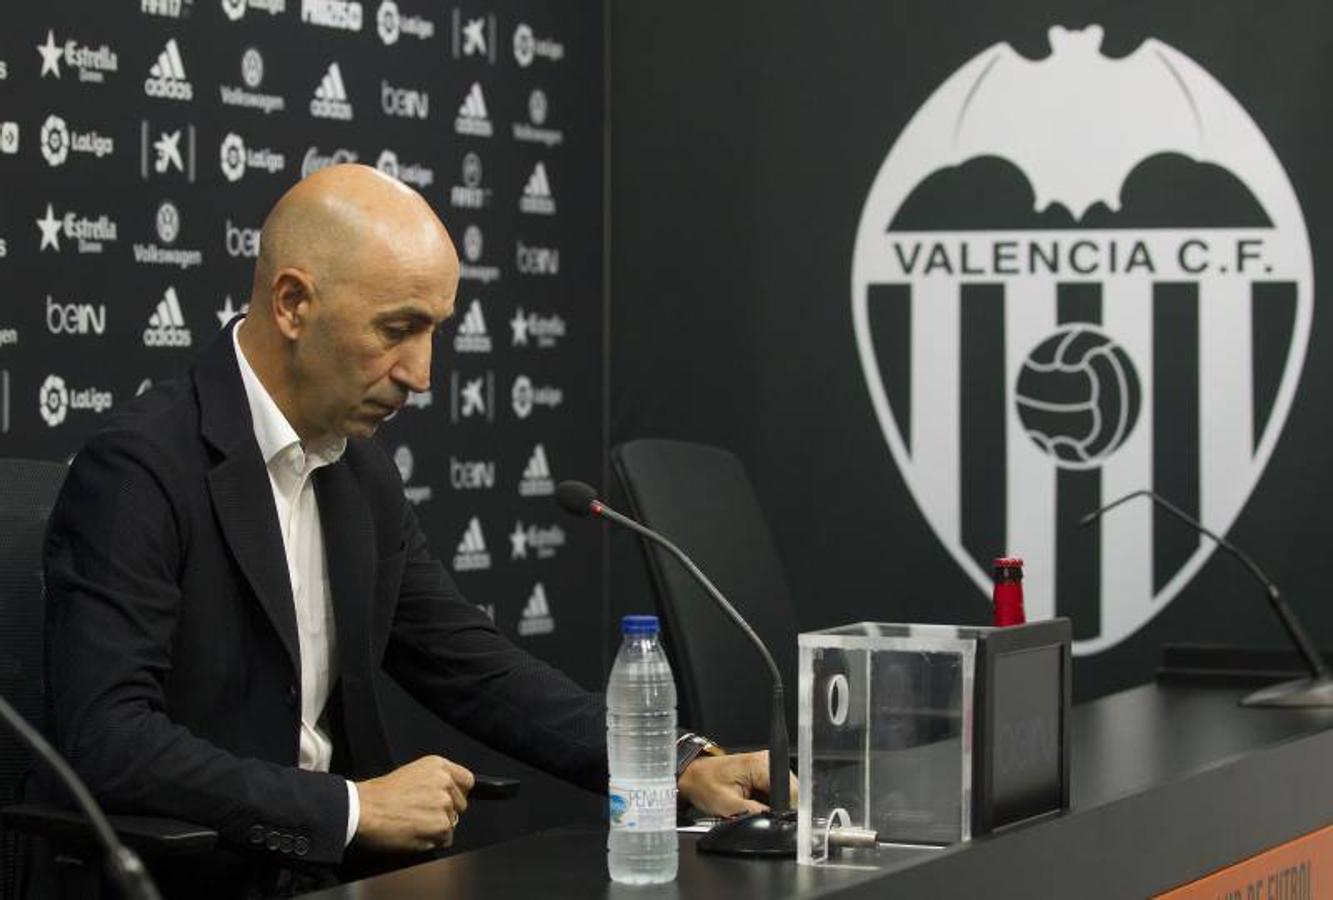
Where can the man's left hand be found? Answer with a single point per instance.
(728, 785)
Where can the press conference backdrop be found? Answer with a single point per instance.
(949, 275)
(142, 143)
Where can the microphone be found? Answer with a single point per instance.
(1317, 689)
(771, 833)
(126, 869)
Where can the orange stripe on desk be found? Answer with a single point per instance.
(1297, 870)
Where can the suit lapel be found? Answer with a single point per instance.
(349, 548)
(244, 504)
(239, 486)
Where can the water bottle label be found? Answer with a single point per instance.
(642, 805)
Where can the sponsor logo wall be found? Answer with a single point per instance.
(141, 145)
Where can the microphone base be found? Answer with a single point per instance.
(1304, 693)
(765, 835)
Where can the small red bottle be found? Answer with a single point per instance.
(1008, 596)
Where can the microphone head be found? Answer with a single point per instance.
(575, 497)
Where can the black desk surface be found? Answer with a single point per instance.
(1169, 783)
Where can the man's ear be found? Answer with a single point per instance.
(292, 295)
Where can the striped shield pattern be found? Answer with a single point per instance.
(1075, 277)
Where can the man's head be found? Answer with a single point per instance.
(355, 274)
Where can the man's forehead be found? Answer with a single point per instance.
(432, 310)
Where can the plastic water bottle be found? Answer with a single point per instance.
(641, 754)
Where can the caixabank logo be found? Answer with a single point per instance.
(1074, 277)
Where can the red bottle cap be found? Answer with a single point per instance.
(1008, 562)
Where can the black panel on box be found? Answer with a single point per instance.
(1020, 767)
(1025, 750)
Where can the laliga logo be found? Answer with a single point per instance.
(387, 22)
(54, 400)
(232, 156)
(55, 140)
(1058, 277)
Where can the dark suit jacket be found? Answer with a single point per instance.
(173, 656)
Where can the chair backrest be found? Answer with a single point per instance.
(701, 498)
(28, 490)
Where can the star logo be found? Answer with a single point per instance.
(519, 325)
(168, 148)
(228, 311)
(518, 542)
(50, 227)
(50, 55)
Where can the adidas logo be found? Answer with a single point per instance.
(471, 555)
(166, 79)
(472, 117)
(537, 481)
(537, 197)
(166, 326)
(536, 618)
(330, 101)
(472, 336)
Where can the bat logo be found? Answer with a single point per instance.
(1076, 276)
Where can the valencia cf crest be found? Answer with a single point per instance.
(1074, 277)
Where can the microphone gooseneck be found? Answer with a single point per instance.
(767, 834)
(1318, 690)
(127, 870)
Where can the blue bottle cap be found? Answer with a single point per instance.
(638, 625)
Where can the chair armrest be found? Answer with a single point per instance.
(148, 835)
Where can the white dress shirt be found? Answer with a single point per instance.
(290, 466)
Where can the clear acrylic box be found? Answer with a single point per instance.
(893, 724)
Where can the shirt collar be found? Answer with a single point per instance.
(273, 432)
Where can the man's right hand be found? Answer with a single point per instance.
(414, 808)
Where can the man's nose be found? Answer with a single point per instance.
(413, 368)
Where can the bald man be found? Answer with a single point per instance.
(231, 561)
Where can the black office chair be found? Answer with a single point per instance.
(701, 498)
(28, 490)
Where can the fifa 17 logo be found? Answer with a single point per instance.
(169, 8)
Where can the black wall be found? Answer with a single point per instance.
(745, 141)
